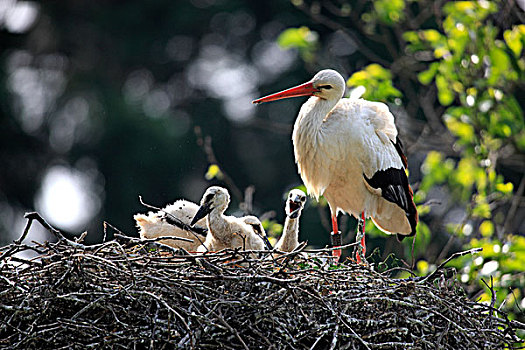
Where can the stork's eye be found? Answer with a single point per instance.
(303, 199)
(327, 87)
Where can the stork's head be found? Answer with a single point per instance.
(295, 203)
(215, 198)
(258, 228)
(255, 224)
(326, 84)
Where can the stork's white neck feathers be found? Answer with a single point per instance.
(290, 238)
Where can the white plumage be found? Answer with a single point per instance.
(348, 151)
(162, 223)
(289, 240)
(224, 231)
(258, 228)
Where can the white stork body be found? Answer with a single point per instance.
(336, 145)
(348, 151)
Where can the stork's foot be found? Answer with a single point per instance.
(336, 241)
(360, 250)
(360, 257)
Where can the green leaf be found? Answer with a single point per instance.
(505, 188)
(301, 38)
(213, 172)
(411, 37)
(499, 65)
(464, 131)
(389, 11)
(513, 38)
(432, 35)
(425, 77)
(445, 95)
(378, 72)
(486, 228)
(481, 211)
(377, 81)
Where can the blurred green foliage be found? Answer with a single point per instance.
(302, 38)
(377, 81)
(475, 74)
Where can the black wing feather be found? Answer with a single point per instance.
(395, 188)
(400, 150)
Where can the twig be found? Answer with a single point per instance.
(205, 145)
(453, 256)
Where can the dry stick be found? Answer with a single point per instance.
(153, 241)
(412, 253)
(492, 297)
(25, 232)
(453, 256)
(121, 250)
(36, 216)
(105, 223)
(167, 306)
(515, 300)
(105, 226)
(247, 205)
(329, 250)
(231, 329)
(334, 313)
(452, 237)
(287, 255)
(205, 145)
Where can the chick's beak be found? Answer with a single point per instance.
(204, 210)
(295, 207)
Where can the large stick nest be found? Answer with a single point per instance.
(124, 294)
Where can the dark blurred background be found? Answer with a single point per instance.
(100, 100)
(103, 101)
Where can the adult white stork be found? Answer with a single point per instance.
(348, 150)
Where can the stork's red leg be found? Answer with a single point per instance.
(335, 233)
(363, 244)
(335, 228)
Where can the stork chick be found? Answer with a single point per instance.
(173, 220)
(258, 228)
(294, 205)
(224, 231)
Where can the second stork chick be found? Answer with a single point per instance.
(224, 231)
(294, 206)
(258, 228)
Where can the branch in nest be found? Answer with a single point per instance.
(453, 256)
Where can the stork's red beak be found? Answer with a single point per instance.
(306, 89)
